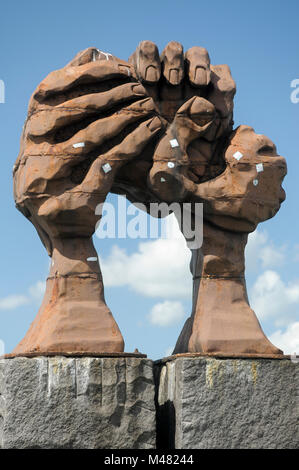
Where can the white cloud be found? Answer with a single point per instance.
(159, 268)
(13, 301)
(271, 256)
(37, 290)
(287, 341)
(260, 249)
(167, 313)
(272, 298)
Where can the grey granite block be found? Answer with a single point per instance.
(208, 403)
(85, 402)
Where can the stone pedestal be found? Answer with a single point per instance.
(209, 403)
(110, 403)
(77, 402)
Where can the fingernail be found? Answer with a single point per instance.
(200, 77)
(138, 90)
(174, 78)
(151, 74)
(154, 124)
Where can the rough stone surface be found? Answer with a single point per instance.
(229, 404)
(77, 403)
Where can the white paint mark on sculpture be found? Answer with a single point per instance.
(106, 167)
(78, 145)
(259, 167)
(238, 155)
(174, 143)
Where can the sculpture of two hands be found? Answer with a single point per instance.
(156, 128)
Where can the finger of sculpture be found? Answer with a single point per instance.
(48, 119)
(193, 120)
(106, 128)
(172, 59)
(97, 179)
(37, 186)
(198, 63)
(206, 162)
(223, 90)
(92, 72)
(91, 54)
(83, 57)
(95, 134)
(38, 175)
(146, 61)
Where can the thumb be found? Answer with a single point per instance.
(194, 119)
(168, 177)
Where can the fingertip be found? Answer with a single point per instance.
(83, 57)
(172, 59)
(154, 124)
(222, 80)
(138, 89)
(147, 62)
(198, 64)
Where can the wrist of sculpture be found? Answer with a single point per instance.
(222, 321)
(74, 316)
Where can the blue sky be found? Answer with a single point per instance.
(259, 40)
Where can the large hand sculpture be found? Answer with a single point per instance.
(84, 123)
(248, 192)
(157, 129)
(237, 175)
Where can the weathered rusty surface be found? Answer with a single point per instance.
(222, 320)
(101, 124)
(237, 174)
